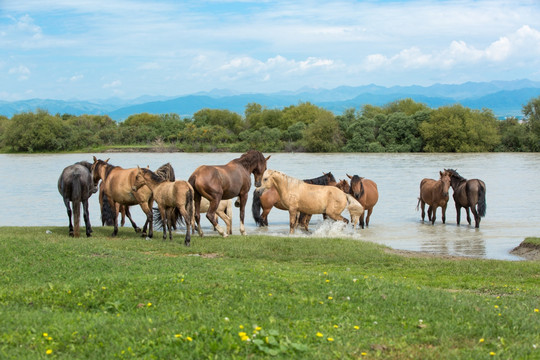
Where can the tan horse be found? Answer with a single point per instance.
(299, 196)
(435, 194)
(117, 185)
(171, 196)
(366, 192)
(224, 211)
(226, 182)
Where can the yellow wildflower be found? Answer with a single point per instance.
(492, 353)
(481, 340)
(48, 352)
(536, 310)
(330, 339)
(319, 334)
(241, 334)
(336, 326)
(356, 327)
(330, 298)
(189, 339)
(149, 304)
(241, 326)
(178, 336)
(363, 354)
(45, 334)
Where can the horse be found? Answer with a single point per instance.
(171, 197)
(468, 194)
(76, 186)
(226, 182)
(435, 194)
(366, 192)
(343, 185)
(270, 198)
(299, 196)
(165, 171)
(224, 211)
(117, 184)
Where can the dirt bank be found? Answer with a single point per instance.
(527, 250)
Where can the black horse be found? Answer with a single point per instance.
(468, 194)
(75, 185)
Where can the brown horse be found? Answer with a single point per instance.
(365, 191)
(468, 194)
(117, 185)
(270, 198)
(435, 194)
(171, 197)
(343, 185)
(226, 182)
(299, 196)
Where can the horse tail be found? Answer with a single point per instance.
(482, 200)
(158, 220)
(256, 208)
(189, 206)
(107, 214)
(418, 204)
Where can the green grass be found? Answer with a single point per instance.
(532, 241)
(256, 297)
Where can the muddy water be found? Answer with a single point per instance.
(30, 196)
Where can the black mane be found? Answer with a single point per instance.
(321, 180)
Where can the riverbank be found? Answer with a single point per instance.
(528, 249)
(256, 296)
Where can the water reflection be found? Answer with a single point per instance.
(30, 197)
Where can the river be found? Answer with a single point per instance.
(30, 196)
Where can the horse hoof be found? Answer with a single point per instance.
(138, 230)
(71, 234)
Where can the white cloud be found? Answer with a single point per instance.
(113, 84)
(22, 71)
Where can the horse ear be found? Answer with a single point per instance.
(95, 159)
(268, 157)
(107, 160)
(350, 177)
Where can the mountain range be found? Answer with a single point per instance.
(504, 98)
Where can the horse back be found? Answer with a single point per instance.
(371, 194)
(119, 186)
(319, 199)
(229, 180)
(75, 183)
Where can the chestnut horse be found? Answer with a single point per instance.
(76, 186)
(435, 194)
(270, 198)
(226, 182)
(172, 197)
(365, 191)
(117, 185)
(468, 194)
(299, 196)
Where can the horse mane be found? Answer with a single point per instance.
(108, 167)
(358, 178)
(158, 178)
(321, 180)
(289, 179)
(249, 158)
(86, 164)
(454, 174)
(166, 172)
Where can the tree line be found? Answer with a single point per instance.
(399, 126)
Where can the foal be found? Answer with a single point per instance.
(171, 196)
(435, 194)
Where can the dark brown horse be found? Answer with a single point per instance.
(367, 194)
(435, 194)
(117, 184)
(468, 194)
(270, 198)
(76, 186)
(226, 182)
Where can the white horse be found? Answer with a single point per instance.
(298, 196)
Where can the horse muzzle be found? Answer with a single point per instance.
(134, 188)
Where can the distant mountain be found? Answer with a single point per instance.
(504, 98)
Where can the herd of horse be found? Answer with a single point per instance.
(211, 188)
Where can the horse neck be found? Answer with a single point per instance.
(150, 182)
(456, 182)
(280, 182)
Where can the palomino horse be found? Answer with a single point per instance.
(226, 182)
(117, 185)
(299, 196)
(76, 186)
(224, 211)
(171, 197)
(468, 194)
(435, 194)
(270, 198)
(365, 191)
(165, 171)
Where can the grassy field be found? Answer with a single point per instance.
(256, 297)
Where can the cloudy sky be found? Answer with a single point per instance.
(90, 49)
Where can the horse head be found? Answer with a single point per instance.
(356, 187)
(140, 181)
(257, 162)
(266, 182)
(344, 186)
(96, 170)
(330, 179)
(446, 181)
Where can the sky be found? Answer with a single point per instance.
(98, 49)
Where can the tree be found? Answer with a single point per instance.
(531, 110)
(323, 135)
(459, 129)
(224, 118)
(514, 135)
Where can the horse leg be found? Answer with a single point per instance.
(197, 211)
(369, 211)
(166, 219)
(128, 214)
(211, 216)
(423, 207)
(443, 209)
(337, 217)
(432, 210)
(243, 200)
(476, 217)
(123, 212)
(68, 208)
(147, 209)
(185, 215)
(458, 213)
(362, 220)
(86, 216)
(468, 215)
(226, 219)
(293, 216)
